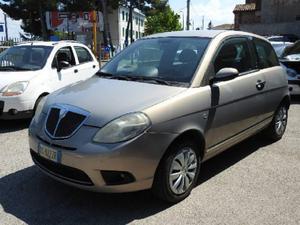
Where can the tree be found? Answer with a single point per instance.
(163, 21)
(31, 12)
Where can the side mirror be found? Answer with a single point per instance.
(61, 65)
(226, 74)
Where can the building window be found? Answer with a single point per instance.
(142, 22)
(126, 17)
(136, 20)
(123, 15)
(136, 35)
(123, 32)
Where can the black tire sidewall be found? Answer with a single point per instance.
(162, 177)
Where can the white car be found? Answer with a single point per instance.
(30, 71)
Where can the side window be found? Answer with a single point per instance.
(235, 53)
(83, 55)
(64, 54)
(266, 54)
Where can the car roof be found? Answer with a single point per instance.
(49, 43)
(202, 33)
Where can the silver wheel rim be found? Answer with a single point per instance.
(183, 171)
(281, 121)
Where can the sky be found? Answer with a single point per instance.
(217, 11)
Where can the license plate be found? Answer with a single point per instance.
(49, 153)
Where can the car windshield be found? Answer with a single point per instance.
(169, 61)
(24, 58)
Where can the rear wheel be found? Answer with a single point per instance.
(178, 172)
(276, 129)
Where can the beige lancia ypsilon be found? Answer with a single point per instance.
(152, 115)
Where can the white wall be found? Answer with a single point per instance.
(13, 27)
(118, 25)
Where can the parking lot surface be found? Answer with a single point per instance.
(255, 182)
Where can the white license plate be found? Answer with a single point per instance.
(49, 153)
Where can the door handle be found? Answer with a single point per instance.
(76, 71)
(260, 85)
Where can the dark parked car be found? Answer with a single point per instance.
(289, 56)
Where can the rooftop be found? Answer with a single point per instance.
(245, 7)
(192, 33)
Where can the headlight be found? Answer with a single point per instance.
(15, 88)
(39, 109)
(123, 128)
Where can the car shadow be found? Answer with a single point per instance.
(37, 199)
(295, 100)
(7, 126)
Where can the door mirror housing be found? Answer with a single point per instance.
(61, 65)
(226, 74)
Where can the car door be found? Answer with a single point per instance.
(237, 104)
(87, 66)
(66, 75)
(275, 78)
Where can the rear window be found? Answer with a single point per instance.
(266, 55)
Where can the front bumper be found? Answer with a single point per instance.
(15, 108)
(82, 163)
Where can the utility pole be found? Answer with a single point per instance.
(5, 23)
(188, 15)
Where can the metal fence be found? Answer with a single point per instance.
(5, 44)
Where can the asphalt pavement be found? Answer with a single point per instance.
(255, 182)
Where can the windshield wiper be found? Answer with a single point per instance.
(104, 74)
(152, 79)
(13, 68)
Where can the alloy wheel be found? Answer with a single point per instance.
(281, 120)
(183, 171)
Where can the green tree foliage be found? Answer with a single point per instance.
(163, 21)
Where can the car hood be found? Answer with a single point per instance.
(7, 78)
(108, 99)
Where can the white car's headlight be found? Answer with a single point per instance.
(15, 88)
(124, 128)
(39, 109)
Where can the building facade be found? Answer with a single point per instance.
(118, 20)
(268, 17)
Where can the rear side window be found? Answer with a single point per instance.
(64, 54)
(266, 55)
(83, 55)
(235, 53)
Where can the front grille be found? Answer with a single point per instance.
(1, 107)
(64, 172)
(63, 123)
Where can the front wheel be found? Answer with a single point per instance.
(277, 128)
(178, 172)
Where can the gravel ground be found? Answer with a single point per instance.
(256, 182)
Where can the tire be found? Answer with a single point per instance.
(277, 128)
(184, 177)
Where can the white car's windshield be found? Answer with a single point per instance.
(169, 61)
(22, 58)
